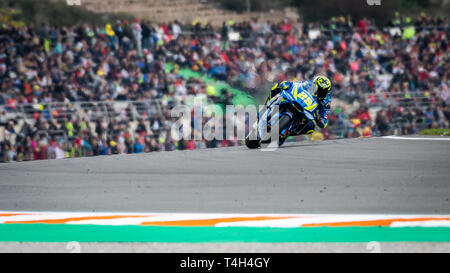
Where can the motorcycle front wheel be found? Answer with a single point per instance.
(252, 142)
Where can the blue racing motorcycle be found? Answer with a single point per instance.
(285, 111)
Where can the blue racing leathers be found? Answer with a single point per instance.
(320, 115)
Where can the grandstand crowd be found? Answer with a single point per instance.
(396, 76)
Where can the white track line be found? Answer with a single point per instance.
(430, 223)
(415, 138)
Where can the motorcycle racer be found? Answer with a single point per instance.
(320, 89)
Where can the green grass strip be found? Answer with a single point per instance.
(99, 233)
(435, 132)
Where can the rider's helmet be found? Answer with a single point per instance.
(322, 86)
(284, 85)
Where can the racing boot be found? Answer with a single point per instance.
(303, 129)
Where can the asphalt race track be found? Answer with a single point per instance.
(351, 176)
(374, 175)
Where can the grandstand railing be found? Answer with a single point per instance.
(136, 110)
(410, 99)
(92, 110)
